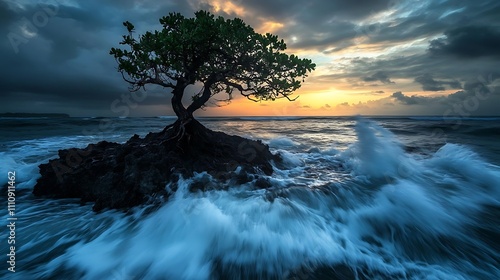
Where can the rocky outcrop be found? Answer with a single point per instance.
(121, 176)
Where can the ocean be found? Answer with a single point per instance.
(359, 198)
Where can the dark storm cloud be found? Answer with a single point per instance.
(423, 19)
(6, 14)
(332, 26)
(430, 84)
(410, 100)
(416, 65)
(317, 10)
(410, 24)
(327, 26)
(480, 97)
(320, 36)
(379, 76)
(464, 103)
(468, 42)
(58, 54)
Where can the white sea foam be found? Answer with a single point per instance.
(23, 157)
(398, 215)
(291, 159)
(377, 153)
(194, 233)
(282, 142)
(25, 174)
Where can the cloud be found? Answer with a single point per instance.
(429, 84)
(317, 10)
(326, 26)
(325, 107)
(478, 97)
(64, 64)
(379, 76)
(468, 42)
(7, 15)
(357, 45)
(411, 100)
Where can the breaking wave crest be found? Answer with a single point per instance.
(371, 211)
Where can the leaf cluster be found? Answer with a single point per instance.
(223, 54)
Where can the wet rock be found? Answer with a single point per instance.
(262, 183)
(121, 176)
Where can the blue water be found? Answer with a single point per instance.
(366, 198)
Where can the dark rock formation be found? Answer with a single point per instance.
(121, 176)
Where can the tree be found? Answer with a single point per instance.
(222, 55)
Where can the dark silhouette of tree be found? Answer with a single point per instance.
(223, 55)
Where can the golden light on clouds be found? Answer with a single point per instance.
(331, 89)
(228, 7)
(269, 27)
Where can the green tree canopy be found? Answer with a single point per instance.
(224, 55)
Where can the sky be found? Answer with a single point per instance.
(373, 57)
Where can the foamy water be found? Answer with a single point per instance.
(358, 202)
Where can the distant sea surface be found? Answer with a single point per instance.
(365, 198)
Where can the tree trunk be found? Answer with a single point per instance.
(179, 109)
(207, 93)
(200, 101)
